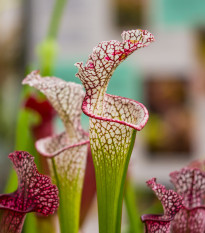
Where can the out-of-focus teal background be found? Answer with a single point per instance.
(183, 13)
(168, 76)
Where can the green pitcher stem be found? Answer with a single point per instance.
(48, 48)
(119, 216)
(110, 187)
(135, 224)
(56, 18)
(69, 208)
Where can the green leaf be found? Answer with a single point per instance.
(24, 141)
(135, 223)
(47, 52)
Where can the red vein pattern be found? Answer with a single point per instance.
(111, 116)
(95, 76)
(190, 184)
(171, 202)
(35, 193)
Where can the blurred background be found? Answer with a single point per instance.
(168, 77)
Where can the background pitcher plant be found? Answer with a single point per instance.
(172, 203)
(190, 184)
(35, 193)
(68, 150)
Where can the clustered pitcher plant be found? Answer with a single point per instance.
(68, 150)
(35, 193)
(113, 123)
(184, 210)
